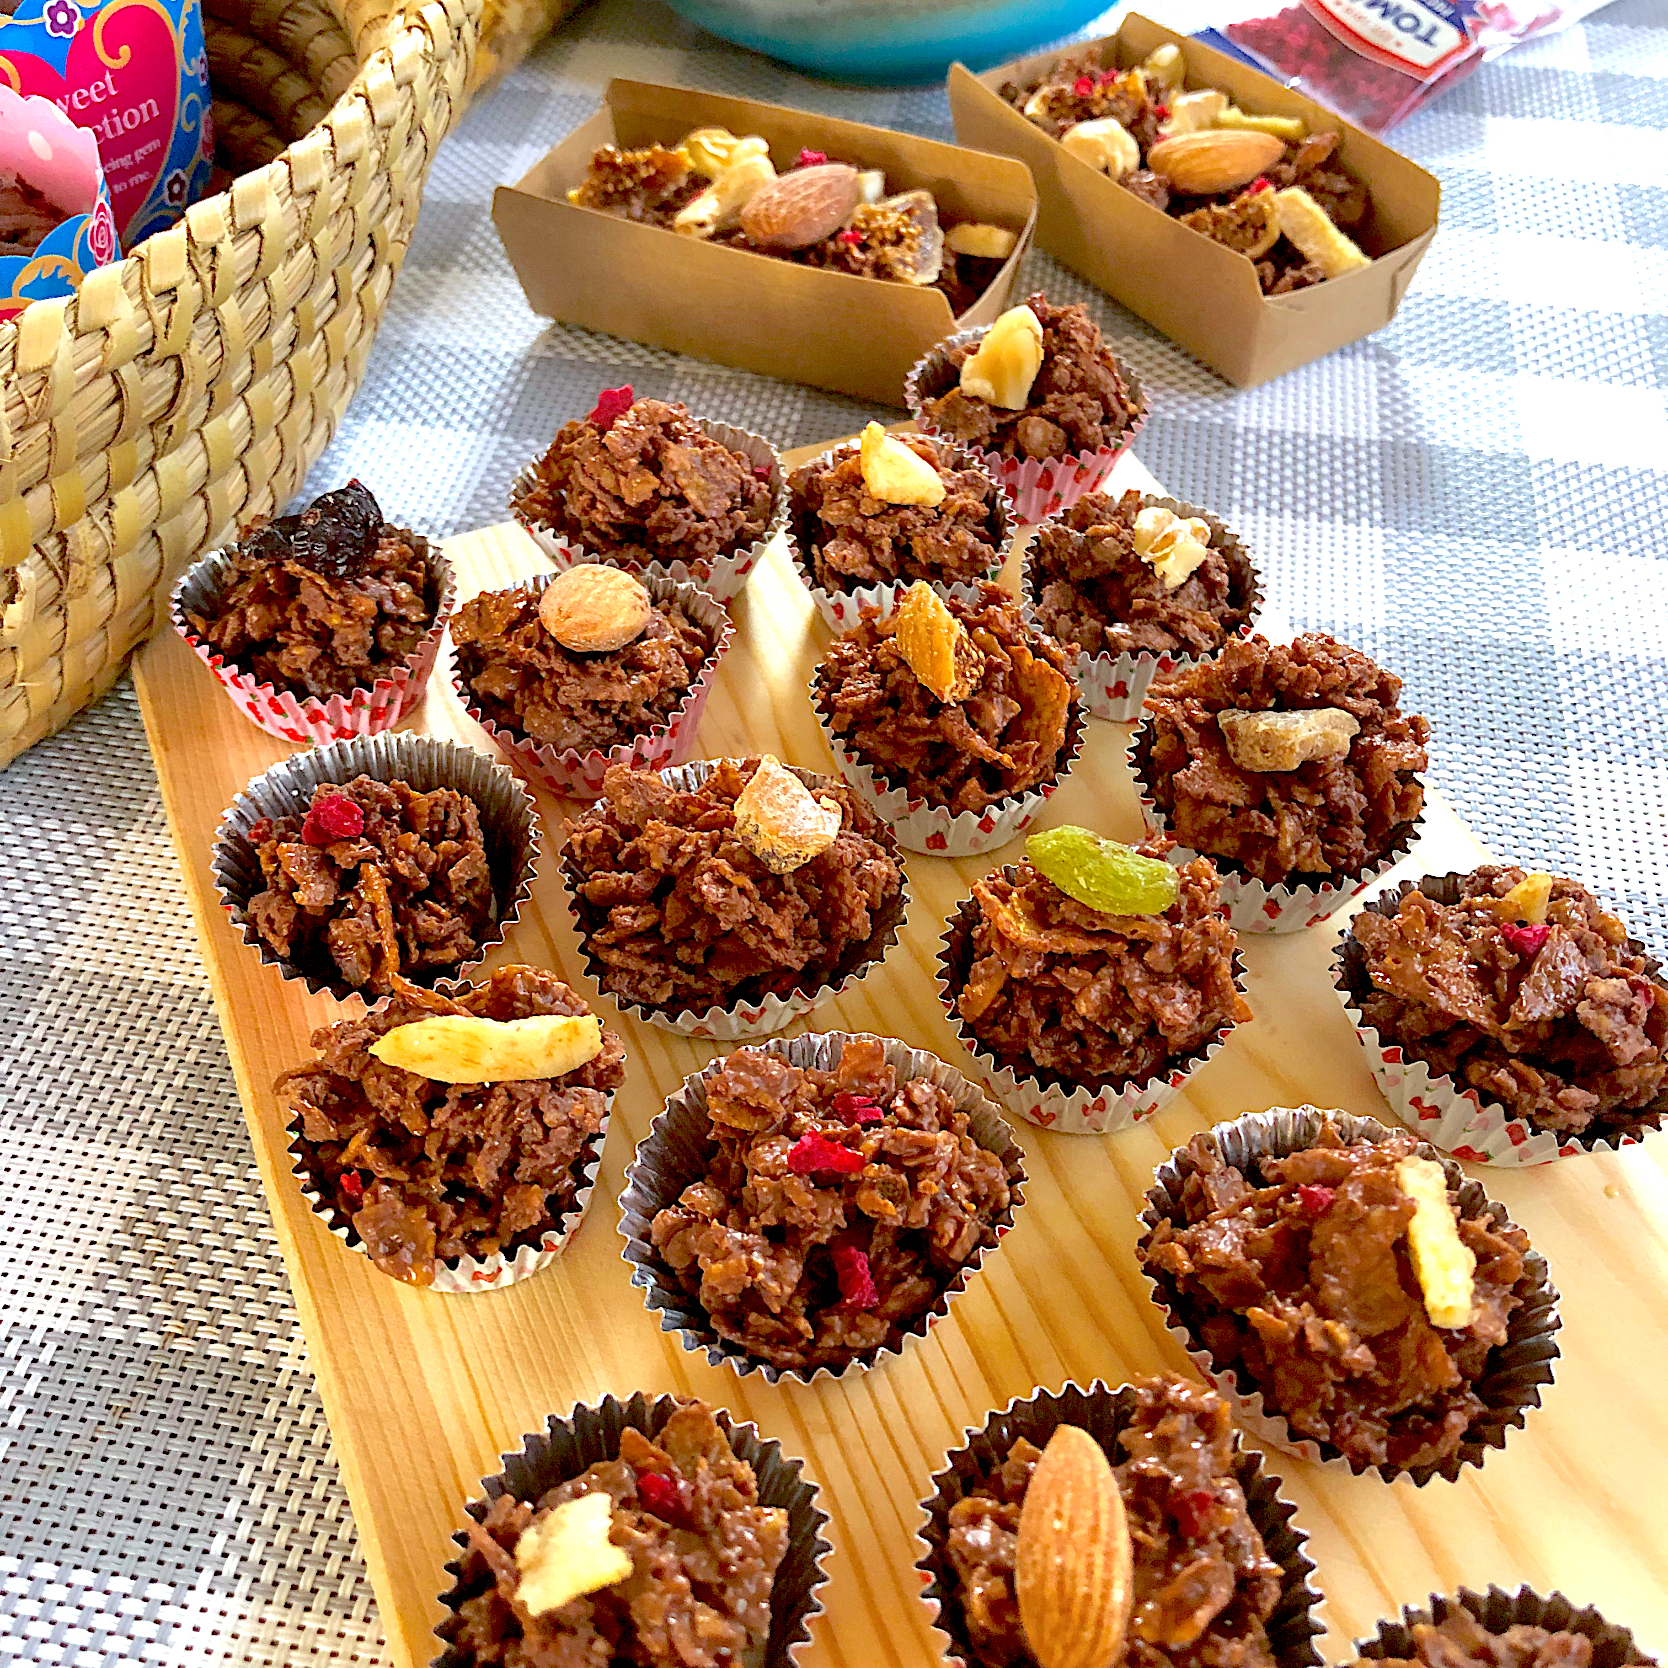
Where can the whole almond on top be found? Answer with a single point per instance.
(1218, 159)
(594, 609)
(801, 207)
(1074, 1568)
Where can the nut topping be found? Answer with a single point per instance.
(1105, 144)
(1171, 546)
(594, 609)
(1527, 901)
(779, 821)
(1005, 363)
(1073, 1572)
(1191, 113)
(568, 1553)
(1288, 128)
(718, 208)
(936, 647)
(715, 150)
(1219, 159)
(1279, 741)
(465, 1048)
(1165, 65)
(896, 473)
(802, 207)
(980, 241)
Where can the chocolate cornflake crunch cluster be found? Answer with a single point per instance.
(1261, 185)
(522, 677)
(1092, 585)
(837, 1208)
(680, 912)
(1056, 989)
(1000, 731)
(640, 480)
(375, 881)
(1299, 1271)
(824, 212)
(1078, 401)
(850, 537)
(324, 602)
(1459, 1640)
(428, 1172)
(698, 1552)
(1543, 1006)
(1284, 819)
(1204, 1585)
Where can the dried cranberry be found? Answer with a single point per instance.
(332, 818)
(1192, 1511)
(336, 535)
(1083, 85)
(612, 405)
(353, 1189)
(857, 1109)
(1527, 941)
(811, 159)
(1315, 1199)
(851, 1269)
(662, 1495)
(851, 235)
(815, 1154)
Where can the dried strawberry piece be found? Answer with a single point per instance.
(662, 1495)
(353, 1189)
(1315, 1199)
(1192, 1511)
(815, 1154)
(612, 405)
(811, 159)
(1106, 78)
(851, 1269)
(857, 1109)
(1083, 85)
(1162, 111)
(851, 235)
(260, 832)
(1260, 183)
(1641, 987)
(333, 818)
(1527, 941)
(761, 472)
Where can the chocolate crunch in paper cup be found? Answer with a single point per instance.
(1498, 1612)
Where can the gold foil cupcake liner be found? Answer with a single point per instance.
(509, 829)
(1433, 1104)
(770, 1012)
(1049, 1101)
(842, 610)
(578, 773)
(1517, 1369)
(1113, 686)
(1253, 905)
(679, 1146)
(1104, 1412)
(590, 1434)
(1037, 487)
(723, 577)
(1498, 1611)
(302, 718)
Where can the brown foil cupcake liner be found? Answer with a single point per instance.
(1103, 1412)
(770, 1012)
(1113, 686)
(841, 610)
(509, 828)
(1252, 904)
(1433, 1104)
(934, 829)
(301, 718)
(724, 577)
(1510, 1388)
(1037, 487)
(1050, 1101)
(578, 774)
(1498, 1610)
(566, 1447)
(679, 1146)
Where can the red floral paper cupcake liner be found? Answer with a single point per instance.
(1037, 487)
(841, 610)
(579, 774)
(723, 577)
(1433, 1104)
(304, 718)
(1049, 1101)
(1114, 686)
(1499, 1611)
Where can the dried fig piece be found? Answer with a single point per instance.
(925, 261)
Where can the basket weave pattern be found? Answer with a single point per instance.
(191, 385)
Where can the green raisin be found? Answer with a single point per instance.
(1101, 873)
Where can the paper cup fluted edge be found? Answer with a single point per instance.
(1518, 1368)
(1433, 1104)
(724, 577)
(1252, 904)
(361, 712)
(591, 1433)
(1113, 686)
(1037, 487)
(676, 1152)
(1497, 1610)
(1074, 1109)
(1103, 1412)
(771, 1012)
(578, 773)
(509, 830)
(841, 610)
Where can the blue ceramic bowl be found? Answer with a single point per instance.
(891, 42)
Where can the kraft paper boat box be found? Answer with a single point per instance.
(857, 336)
(1198, 292)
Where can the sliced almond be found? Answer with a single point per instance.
(594, 609)
(1074, 1568)
(895, 473)
(465, 1048)
(1219, 159)
(935, 645)
(567, 1553)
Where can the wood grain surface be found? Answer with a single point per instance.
(423, 1391)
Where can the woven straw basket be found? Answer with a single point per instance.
(191, 386)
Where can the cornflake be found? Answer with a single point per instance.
(936, 647)
(567, 1553)
(779, 821)
(1278, 741)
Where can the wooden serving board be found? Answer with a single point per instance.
(424, 1391)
